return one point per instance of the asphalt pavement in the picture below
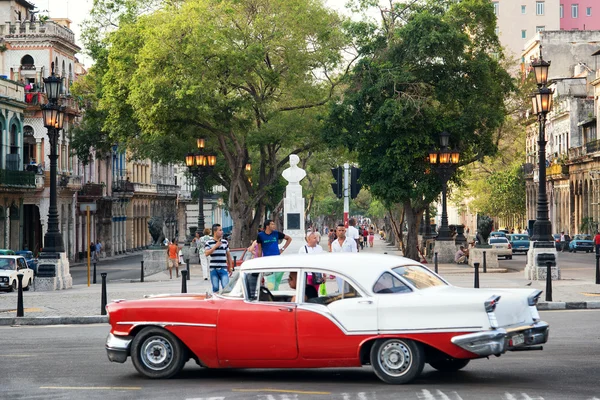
(69, 362)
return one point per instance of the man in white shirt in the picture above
(311, 245)
(352, 232)
(342, 244)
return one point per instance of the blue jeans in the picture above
(219, 275)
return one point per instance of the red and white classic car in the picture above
(391, 313)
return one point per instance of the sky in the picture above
(77, 10)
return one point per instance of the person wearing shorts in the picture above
(371, 236)
(173, 258)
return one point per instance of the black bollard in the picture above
(548, 281)
(435, 260)
(234, 263)
(476, 276)
(184, 281)
(484, 263)
(142, 272)
(187, 267)
(597, 269)
(94, 281)
(20, 311)
(103, 301)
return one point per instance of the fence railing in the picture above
(17, 178)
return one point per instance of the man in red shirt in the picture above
(597, 242)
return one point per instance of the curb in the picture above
(94, 319)
(568, 305)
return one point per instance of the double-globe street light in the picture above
(542, 104)
(199, 165)
(444, 161)
(54, 116)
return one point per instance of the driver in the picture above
(309, 291)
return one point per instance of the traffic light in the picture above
(354, 185)
(337, 186)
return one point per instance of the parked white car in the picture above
(10, 267)
(389, 312)
(502, 247)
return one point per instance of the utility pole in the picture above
(346, 193)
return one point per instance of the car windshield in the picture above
(498, 240)
(419, 277)
(7, 264)
(520, 237)
(234, 287)
(582, 237)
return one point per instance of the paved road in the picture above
(119, 269)
(571, 261)
(69, 362)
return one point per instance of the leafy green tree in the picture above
(439, 70)
(251, 76)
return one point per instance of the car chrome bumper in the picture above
(117, 347)
(499, 341)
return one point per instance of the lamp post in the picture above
(542, 104)
(199, 164)
(443, 160)
(53, 115)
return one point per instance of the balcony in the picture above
(557, 171)
(122, 186)
(35, 98)
(69, 182)
(149, 188)
(593, 146)
(167, 190)
(27, 31)
(577, 152)
(91, 191)
(22, 179)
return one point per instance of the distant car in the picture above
(519, 242)
(31, 261)
(241, 255)
(502, 246)
(506, 231)
(581, 243)
(10, 267)
(6, 252)
(497, 234)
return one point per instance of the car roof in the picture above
(363, 267)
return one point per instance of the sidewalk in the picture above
(82, 304)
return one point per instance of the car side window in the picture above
(336, 290)
(388, 283)
(21, 264)
(270, 286)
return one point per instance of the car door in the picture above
(257, 328)
(22, 269)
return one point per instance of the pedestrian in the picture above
(268, 241)
(221, 263)
(312, 247)
(365, 236)
(562, 241)
(342, 245)
(195, 245)
(173, 258)
(597, 242)
(352, 232)
(371, 235)
(98, 250)
(203, 259)
(92, 250)
(462, 256)
(331, 237)
(567, 241)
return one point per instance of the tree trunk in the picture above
(413, 219)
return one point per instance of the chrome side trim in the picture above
(163, 324)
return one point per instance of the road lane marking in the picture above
(280, 391)
(16, 355)
(91, 387)
(24, 310)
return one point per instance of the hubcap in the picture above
(395, 358)
(156, 353)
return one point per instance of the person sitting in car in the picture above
(309, 291)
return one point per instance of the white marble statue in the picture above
(294, 174)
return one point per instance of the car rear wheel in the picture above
(28, 285)
(157, 353)
(397, 361)
(449, 364)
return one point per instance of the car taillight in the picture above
(510, 246)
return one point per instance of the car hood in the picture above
(4, 272)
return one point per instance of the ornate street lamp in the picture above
(53, 115)
(444, 160)
(199, 165)
(541, 105)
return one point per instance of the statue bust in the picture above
(484, 228)
(294, 174)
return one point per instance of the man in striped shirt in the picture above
(220, 258)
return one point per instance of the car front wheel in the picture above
(449, 364)
(397, 361)
(13, 287)
(157, 353)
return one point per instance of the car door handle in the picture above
(365, 302)
(285, 309)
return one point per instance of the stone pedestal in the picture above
(446, 250)
(476, 255)
(155, 260)
(53, 273)
(538, 254)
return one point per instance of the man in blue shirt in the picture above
(268, 240)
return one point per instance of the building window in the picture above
(540, 28)
(523, 34)
(562, 11)
(496, 7)
(588, 11)
(523, 9)
(574, 10)
(539, 8)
